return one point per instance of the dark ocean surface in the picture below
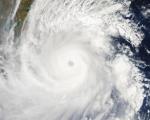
(138, 8)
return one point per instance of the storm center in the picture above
(70, 63)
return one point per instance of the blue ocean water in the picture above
(140, 16)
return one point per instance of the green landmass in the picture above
(5, 8)
(21, 14)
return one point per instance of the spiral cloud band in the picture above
(68, 68)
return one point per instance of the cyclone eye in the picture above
(70, 63)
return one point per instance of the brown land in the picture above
(5, 9)
(21, 14)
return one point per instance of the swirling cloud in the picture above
(68, 66)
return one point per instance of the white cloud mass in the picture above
(65, 67)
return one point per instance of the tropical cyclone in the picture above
(68, 68)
